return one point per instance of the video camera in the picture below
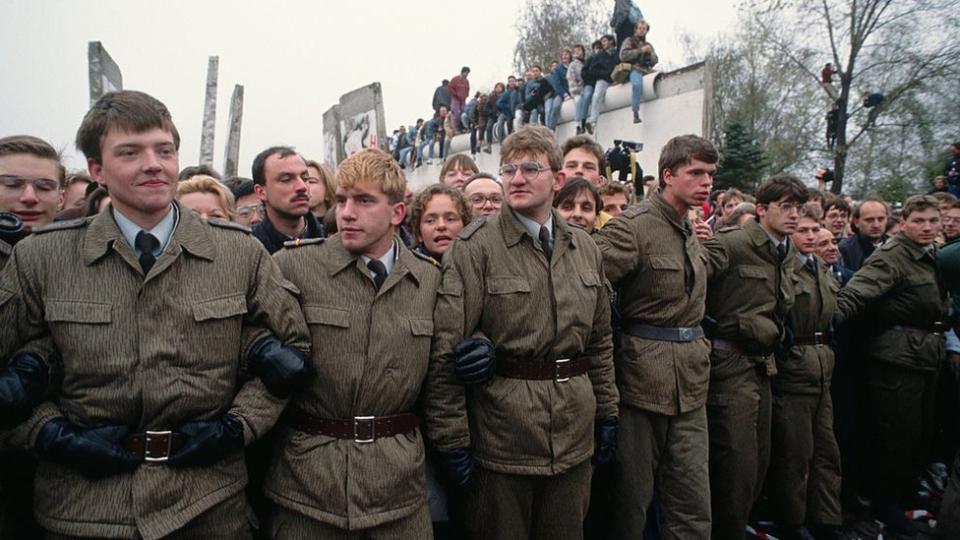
(622, 157)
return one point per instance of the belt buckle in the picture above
(559, 364)
(356, 431)
(818, 339)
(686, 334)
(148, 436)
(938, 328)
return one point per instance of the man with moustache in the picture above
(280, 178)
(652, 256)
(159, 319)
(904, 302)
(747, 302)
(523, 298)
(350, 462)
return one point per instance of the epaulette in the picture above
(224, 224)
(473, 227)
(63, 225)
(636, 210)
(290, 244)
(426, 258)
(729, 228)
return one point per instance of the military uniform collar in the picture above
(103, 233)
(337, 259)
(514, 229)
(162, 231)
(670, 213)
(917, 251)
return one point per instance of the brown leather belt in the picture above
(561, 370)
(154, 446)
(732, 346)
(817, 339)
(362, 429)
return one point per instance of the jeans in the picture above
(553, 107)
(488, 128)
(583, 106)
(428, 142)
(599, 98)
(636, 83)
(535, 115)
(504, 126)
(405, 155)
(456, 108)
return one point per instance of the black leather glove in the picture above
(22, 385)
(93, 452)
(605, 433)
(209, 441)
(282, 369)
(458, 466)
(475, 360)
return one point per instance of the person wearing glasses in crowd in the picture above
(438, 213)
(249, 209)
(521, 394)
(747, 302)
(484, 193)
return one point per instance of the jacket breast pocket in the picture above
(218, 321)
(78, 329)
(508, 298)
(747, 271)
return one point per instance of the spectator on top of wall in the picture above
(459, 88)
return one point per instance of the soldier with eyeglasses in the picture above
(522, 394)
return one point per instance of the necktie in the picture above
(379, 272)
(782, 251)
(146, 243)
(811, 265)
(545, 242)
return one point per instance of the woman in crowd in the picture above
(322, 189)
(578, 201)
(437, 215)
(207, 197)
(457, 169)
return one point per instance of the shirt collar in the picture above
(388, 259)
(163, 231)
(533, 228)
(785, 241)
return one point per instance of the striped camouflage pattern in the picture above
(8, 315)
(370, 352)
(653, 260)
(749, 299)
(151, 355)
(496, 284)
(807, 369)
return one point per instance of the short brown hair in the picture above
(326, 176)
(126, 110)
(779, 186)
(919, 203)
(810, 210)
(836, 202)
(202, 183)
(34, 146)
(575, 186)
(729, 194)
(532, 140)
(612, 187)
(587, 143)
(373, 166)
(423, 198)
(943, 196)
(458, 161)
(871, 198)
(683, 149)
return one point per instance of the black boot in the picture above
(636, 117)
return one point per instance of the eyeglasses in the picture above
(946, 219)
(477, 199)
(18, 183)
(529, 169)
(787, 207)
(247, 211)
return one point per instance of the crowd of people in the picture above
(534, 99)
(540, 352)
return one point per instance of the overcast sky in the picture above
(294, 59)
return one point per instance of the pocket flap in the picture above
(326, 315)
(661, 262)
(507, 285)
(421, 327)
(77, 311)
(751, 272)
(220, 308)
(590, 279)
